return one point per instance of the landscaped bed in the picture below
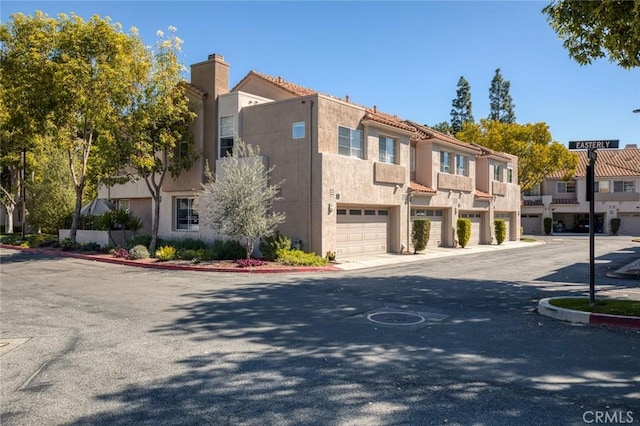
(602, 306)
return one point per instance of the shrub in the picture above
(68, 245)
(227, 250)
(250, 263)
(420, 230)
(270, 245)
(142, 240)
(300, 258)
(615, 225)
(548, 223)
(91, 246)
(165, 253)
(190, 244)
(139, 252)
(501, 230)
(331, 256)
(464, 231)
(121, 253)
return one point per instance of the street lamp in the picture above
(636, 110)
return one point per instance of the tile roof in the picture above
(565, 201)
(610, 163)
(193, 89)
(418, 187)
(482, 194)
(532, 202)
(427, 133)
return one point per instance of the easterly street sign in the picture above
(593, 144)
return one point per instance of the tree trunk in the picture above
(10, 208)
(156, 222)
(76, 214)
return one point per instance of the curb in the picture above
(169, 266)
(547, 309)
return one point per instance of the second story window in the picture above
(623, 186)
(226, 135)
(568, 187)
(298, 130)
(533, 191)
(412, 159)
(445, 162)
(387, 150)
(497, 173)
(510, 175)
(602, 186)
(461, 165)
(350, 142)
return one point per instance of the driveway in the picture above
(107, 344)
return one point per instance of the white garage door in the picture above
(476, 226)
(361, 231)
(435, 217)
(507, 220)
(531, 224)
(629, 224)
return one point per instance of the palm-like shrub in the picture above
(420, 234)
(464, 231)
(501, 230)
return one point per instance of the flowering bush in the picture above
(121, 253)
(249, 263)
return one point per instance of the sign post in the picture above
(592, 146)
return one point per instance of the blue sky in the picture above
(404, 57)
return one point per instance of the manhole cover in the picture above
(396, 318)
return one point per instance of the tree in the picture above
(158, 127)
(461, 111)
(420, 229)
(73, 81)
(538, 154)
(500, 103)
(442, 127)
(238, 201)
(597, 29)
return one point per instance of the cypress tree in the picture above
(461, 111)
(501, 106)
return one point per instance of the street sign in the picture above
(604, 144)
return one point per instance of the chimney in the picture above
(347, 98)
(375, 109)
(631, 146)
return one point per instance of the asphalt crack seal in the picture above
(396, 318)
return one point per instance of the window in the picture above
(461, 165)
(226, 135)
(445, 162)
(124, 204)
(568, 187)
(383, 212)
(602, 186)
(412, 159)
(349, 142)
(186, 215)
(341, 212)
(298, 130)
(510, 175)
(623, 186)
(387, 150)
(355, 212)
(497, 173)
(533, 191)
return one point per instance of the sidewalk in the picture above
(372, 260)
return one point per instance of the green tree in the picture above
(158, 129)
(238, 201)
(73, 80)
(443, 127)
(597, 29)
(420, 230)
(538, 154)
(501, 106)
(461, 111)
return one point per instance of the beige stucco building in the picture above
(353, 177)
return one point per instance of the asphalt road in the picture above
(107, 344)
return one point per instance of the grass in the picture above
(528, 239)
(602, 306)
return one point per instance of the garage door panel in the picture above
(629, 224)
(361, 233)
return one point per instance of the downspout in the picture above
(409, 197)
(310, 172)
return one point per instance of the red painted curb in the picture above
(615, 320)
(169, 266)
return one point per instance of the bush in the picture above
(121, 253)
(464, 231)
(548, 223)
(91, 246)
(270, 245)
(190, 244)
(420, 230)
(501, 230)
(300, 258)
(227, 250)
(139, 252)
(142, 240)
(615, 225)
(68, 245)
(165, 253)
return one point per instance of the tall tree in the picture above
(443, 126)
(538, 154)
(238, 201)
(75, 84)
(501, 106)
(597, 29)
(158, 129)
(461, 111)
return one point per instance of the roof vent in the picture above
(631, 146)
(375, 109)
(279, 79)
(216, 56)
(347, 98)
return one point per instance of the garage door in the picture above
(629, 224)
(531, 224)
(507, 220)
(361, 231)
(435, 217)
(476, 226)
